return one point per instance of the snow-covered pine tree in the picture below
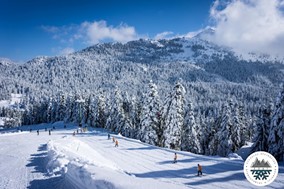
(136, 115)
(262, 130)
(128, 105)
(237, 126)
(276, 133)
(100, 111)
(61, 108)
(150, 116)
(78, 109)
(225, 142)
(190, 137)
(174, 117)
(70, 103)
(243, 123)
(91, 111)
(115, 119)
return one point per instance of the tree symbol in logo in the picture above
(261, 169)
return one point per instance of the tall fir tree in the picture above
(260, 139)
(190, 139)
(174, 117)
(225, 142)
(276, 133)
(100, 111)
(115, 119)
(237, 126)
(150, 116)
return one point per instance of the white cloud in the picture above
(92, 33)
(164, 35)
(193, 34)
(100, 31)
(66, 51)
(249, 25)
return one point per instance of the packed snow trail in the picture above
(90, 160)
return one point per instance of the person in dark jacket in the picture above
(175, 158)
(199, 170)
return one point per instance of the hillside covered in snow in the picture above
(89, 160)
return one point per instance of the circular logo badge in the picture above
(261, 168)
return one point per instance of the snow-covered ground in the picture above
(90, 160)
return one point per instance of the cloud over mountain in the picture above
(249, 25)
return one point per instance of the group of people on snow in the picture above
(199, 167)
(113, 140)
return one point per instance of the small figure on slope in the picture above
(199, 170)
(175, 158)
(108, 136)
(116, 143)
(49, 132)
(37, 132)
(113, 139)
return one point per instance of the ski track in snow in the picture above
(90, 160)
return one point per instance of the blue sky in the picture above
(30, 28)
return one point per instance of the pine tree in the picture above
(276, 133)
(190, 139)
(61, 108)
(150, 116)
(262, 130)
(100, 111)
(237, 126)
(225, 142)
(115, 119)
(174, 117)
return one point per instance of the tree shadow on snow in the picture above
(207, 180)
(51, 183)
(188, 160)
(143, 148)
(180, 173)
(208, 170)
(38, 160)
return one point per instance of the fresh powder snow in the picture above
(90, 160)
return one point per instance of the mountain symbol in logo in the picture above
(260, 164)
(261, 169)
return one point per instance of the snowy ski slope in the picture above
(90, 160)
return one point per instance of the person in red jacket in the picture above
(116, 143)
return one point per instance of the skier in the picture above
(49, 132)
(175, 158)
(108, 136)
(116, 143)
(113, 139)
(37, 132)
(199, 169)
(74, 133)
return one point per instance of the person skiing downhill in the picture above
(113, 139)
(37, 132)
(116, 143)
(108, 136)
(175, 158)
(199, 169)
